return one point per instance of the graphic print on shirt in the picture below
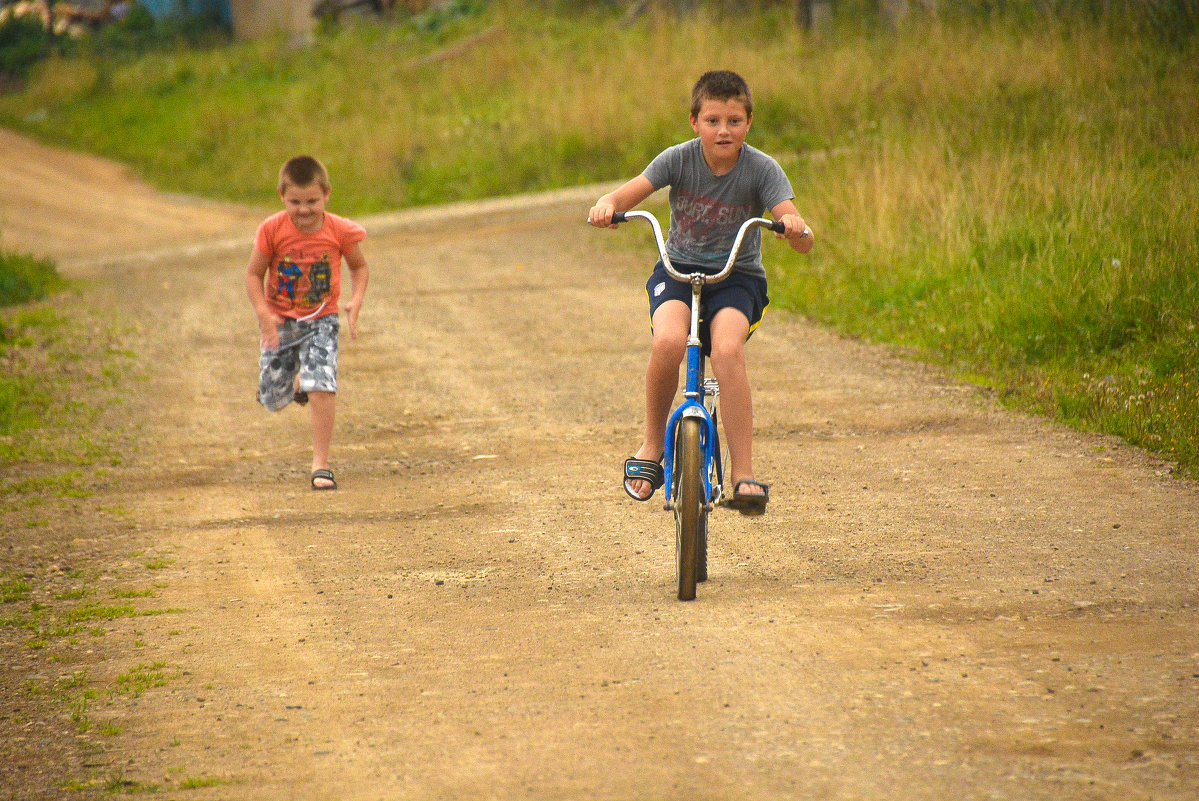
(285, 288)
(320, 277)
(300, 285)
(702, 222)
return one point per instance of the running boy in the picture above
(294, 283)
(717, 182)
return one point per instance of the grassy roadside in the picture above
(1011, 197)
(62, 366)
(1019, 206)
(69, 610)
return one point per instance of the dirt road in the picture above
(945, 600)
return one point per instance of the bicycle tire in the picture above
(701, 543)
(689, 503)
(714, 479)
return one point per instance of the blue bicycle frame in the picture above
(692, 406)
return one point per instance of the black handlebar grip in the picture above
(618, 217)
(778, 227)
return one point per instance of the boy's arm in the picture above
(798, 234)
(268, 320)
(623, 199)
(359, 275)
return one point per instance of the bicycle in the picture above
(692, 457)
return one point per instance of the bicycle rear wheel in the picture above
(689, 503)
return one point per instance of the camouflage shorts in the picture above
(306, 347)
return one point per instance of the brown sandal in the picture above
(750, 504)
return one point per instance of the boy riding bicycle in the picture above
(717, 182)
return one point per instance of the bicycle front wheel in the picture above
(689, 502)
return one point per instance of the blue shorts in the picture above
(741, 291)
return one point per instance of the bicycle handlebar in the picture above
(701, 278)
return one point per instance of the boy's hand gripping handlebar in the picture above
(700, 278)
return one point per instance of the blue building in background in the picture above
(161, 9)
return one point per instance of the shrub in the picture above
(23, 42)
(24, 277)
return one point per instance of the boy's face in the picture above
(722, 126)
(306, 206)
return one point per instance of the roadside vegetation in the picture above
(62, 366)
(1002, 190)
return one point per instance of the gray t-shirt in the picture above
(706, 210)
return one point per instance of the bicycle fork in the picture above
(697, 391)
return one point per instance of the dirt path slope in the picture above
(79, 209)
(945, 600)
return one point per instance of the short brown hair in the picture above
(720, 85)
(303, 171)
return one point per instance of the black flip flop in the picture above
(644, 470)
(325, 474)
(749, 504)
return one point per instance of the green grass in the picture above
(1011, 196)
(1031, 228)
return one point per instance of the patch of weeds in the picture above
(72, 595)
(71, 693)
(18, 622)
(196, 782)
(142, 678)
(96, 611)
(75, 680)
(78, 711)
(119, 785)
(159, 564)
(61, 485)
(13, 589)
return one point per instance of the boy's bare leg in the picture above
(730, 329)
(671, 323)
(323, 406)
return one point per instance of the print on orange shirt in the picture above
(297, 288)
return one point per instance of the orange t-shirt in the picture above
(304, 279)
